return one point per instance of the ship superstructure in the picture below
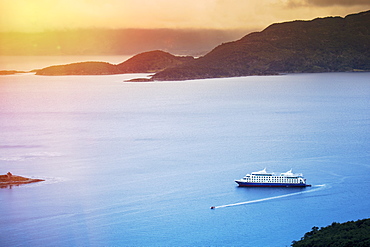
(270, 179)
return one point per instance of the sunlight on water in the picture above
(139, 164)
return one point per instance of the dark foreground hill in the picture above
(147, 62)
(352, 233)
(321, 45)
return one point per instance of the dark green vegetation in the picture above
(321, 45)
(349, 234)
(147, 62)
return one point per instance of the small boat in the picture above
(270, 179)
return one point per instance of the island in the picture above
(8, 180)
(11, 72)
(146, 62)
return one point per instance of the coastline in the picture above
(140, 79)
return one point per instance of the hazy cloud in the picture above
(39, 15)
(326, 3)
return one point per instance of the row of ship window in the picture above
(274, 178)
(277, 179)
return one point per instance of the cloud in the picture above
(39, 15)
(327, 3)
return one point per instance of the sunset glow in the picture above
(41, 15)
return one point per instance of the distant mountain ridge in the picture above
(146, 62)
(104, 42)
(330, 44)
(321, 45)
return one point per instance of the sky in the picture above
(42, 15)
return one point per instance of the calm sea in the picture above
(140, 164)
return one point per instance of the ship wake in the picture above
(315, 188)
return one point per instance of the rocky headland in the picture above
(331, 44)
(9, 180)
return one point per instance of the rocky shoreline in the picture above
(9, 180)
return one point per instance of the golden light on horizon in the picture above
(40, 15)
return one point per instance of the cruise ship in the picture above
(267, 179)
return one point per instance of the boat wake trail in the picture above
(316, 188)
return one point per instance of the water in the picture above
(140, 164)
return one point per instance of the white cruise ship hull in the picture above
(251, 184)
